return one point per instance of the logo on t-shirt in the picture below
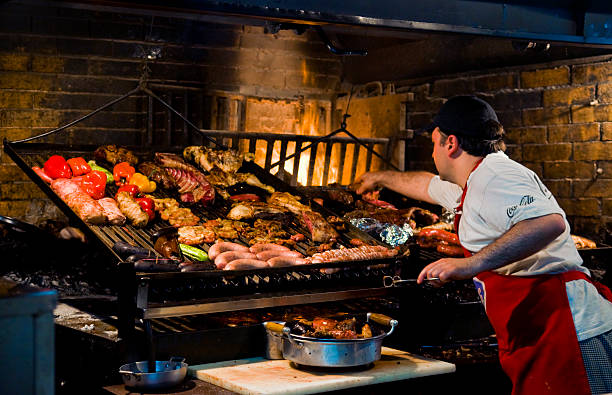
(525, 200)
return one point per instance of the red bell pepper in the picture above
(133, 190)
(57, 167)
(93, 183)
(122, 172)
(148, 205)
(78, 166)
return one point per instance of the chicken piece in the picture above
(248, 210)
(195, 235)
(288, 201)
(221, 179)
(253, 181)
(113, 215)
(131, 209)
(366, 331)
(113, 155)
(207, 158)
(583, 242)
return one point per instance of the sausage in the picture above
(197, 267)
(226, 257)
(268, 254)
(41, 173)
(222, 246)
(357, 242)
(124, 249)
(449, 249)
(439, 234)
(282, 261)
(259, 247)
(245, 264)
(156, 265)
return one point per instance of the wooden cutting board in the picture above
(263, 376)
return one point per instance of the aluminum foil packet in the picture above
(391, 234)
(395, 235)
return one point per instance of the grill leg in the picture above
(150, 345)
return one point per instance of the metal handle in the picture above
(287, 333)
(274, 327)
(389, 281)
(383, 320)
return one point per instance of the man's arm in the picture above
(413, 184)
(522, 240)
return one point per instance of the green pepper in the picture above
(109, 175)
(193, 252)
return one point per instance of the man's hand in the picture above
(369, 181)
(448, 269)
(522, 240)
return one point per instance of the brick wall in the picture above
(57, 64)
(558, 119)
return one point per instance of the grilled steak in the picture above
(156, 173)
(113, 155)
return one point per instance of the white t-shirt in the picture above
(501, 193)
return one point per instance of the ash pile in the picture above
(53, 255)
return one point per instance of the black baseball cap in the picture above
(464, 116)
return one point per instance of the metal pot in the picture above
(336, 353)
(167, 374)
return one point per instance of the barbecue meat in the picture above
(320, 230)
(170, 211)
(111, 211)
(221, 180)
(113, 155)
(88, 209)
(207, 158)
(194, 235)
(248, 210)
(340, 195)
(173, 161)
(362, 253)
(583, 242)
(193, 186)
(288, 201)
(156, 173)
(131, 209)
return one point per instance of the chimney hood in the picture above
(583, 23)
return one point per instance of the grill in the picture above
(172, 294)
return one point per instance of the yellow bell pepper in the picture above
(143, 183)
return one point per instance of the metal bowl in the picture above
(167, 374)
(310, 351)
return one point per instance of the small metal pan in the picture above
(167, 374)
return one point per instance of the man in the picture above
(553, 327)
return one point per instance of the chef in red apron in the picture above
(553, 323)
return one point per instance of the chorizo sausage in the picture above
(439, 234)
(282, 261)
(222, 246)
(259, 247)
(269, 254)
(226, 257)
(450, 249)
(245, 264)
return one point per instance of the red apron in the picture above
(538, 345)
